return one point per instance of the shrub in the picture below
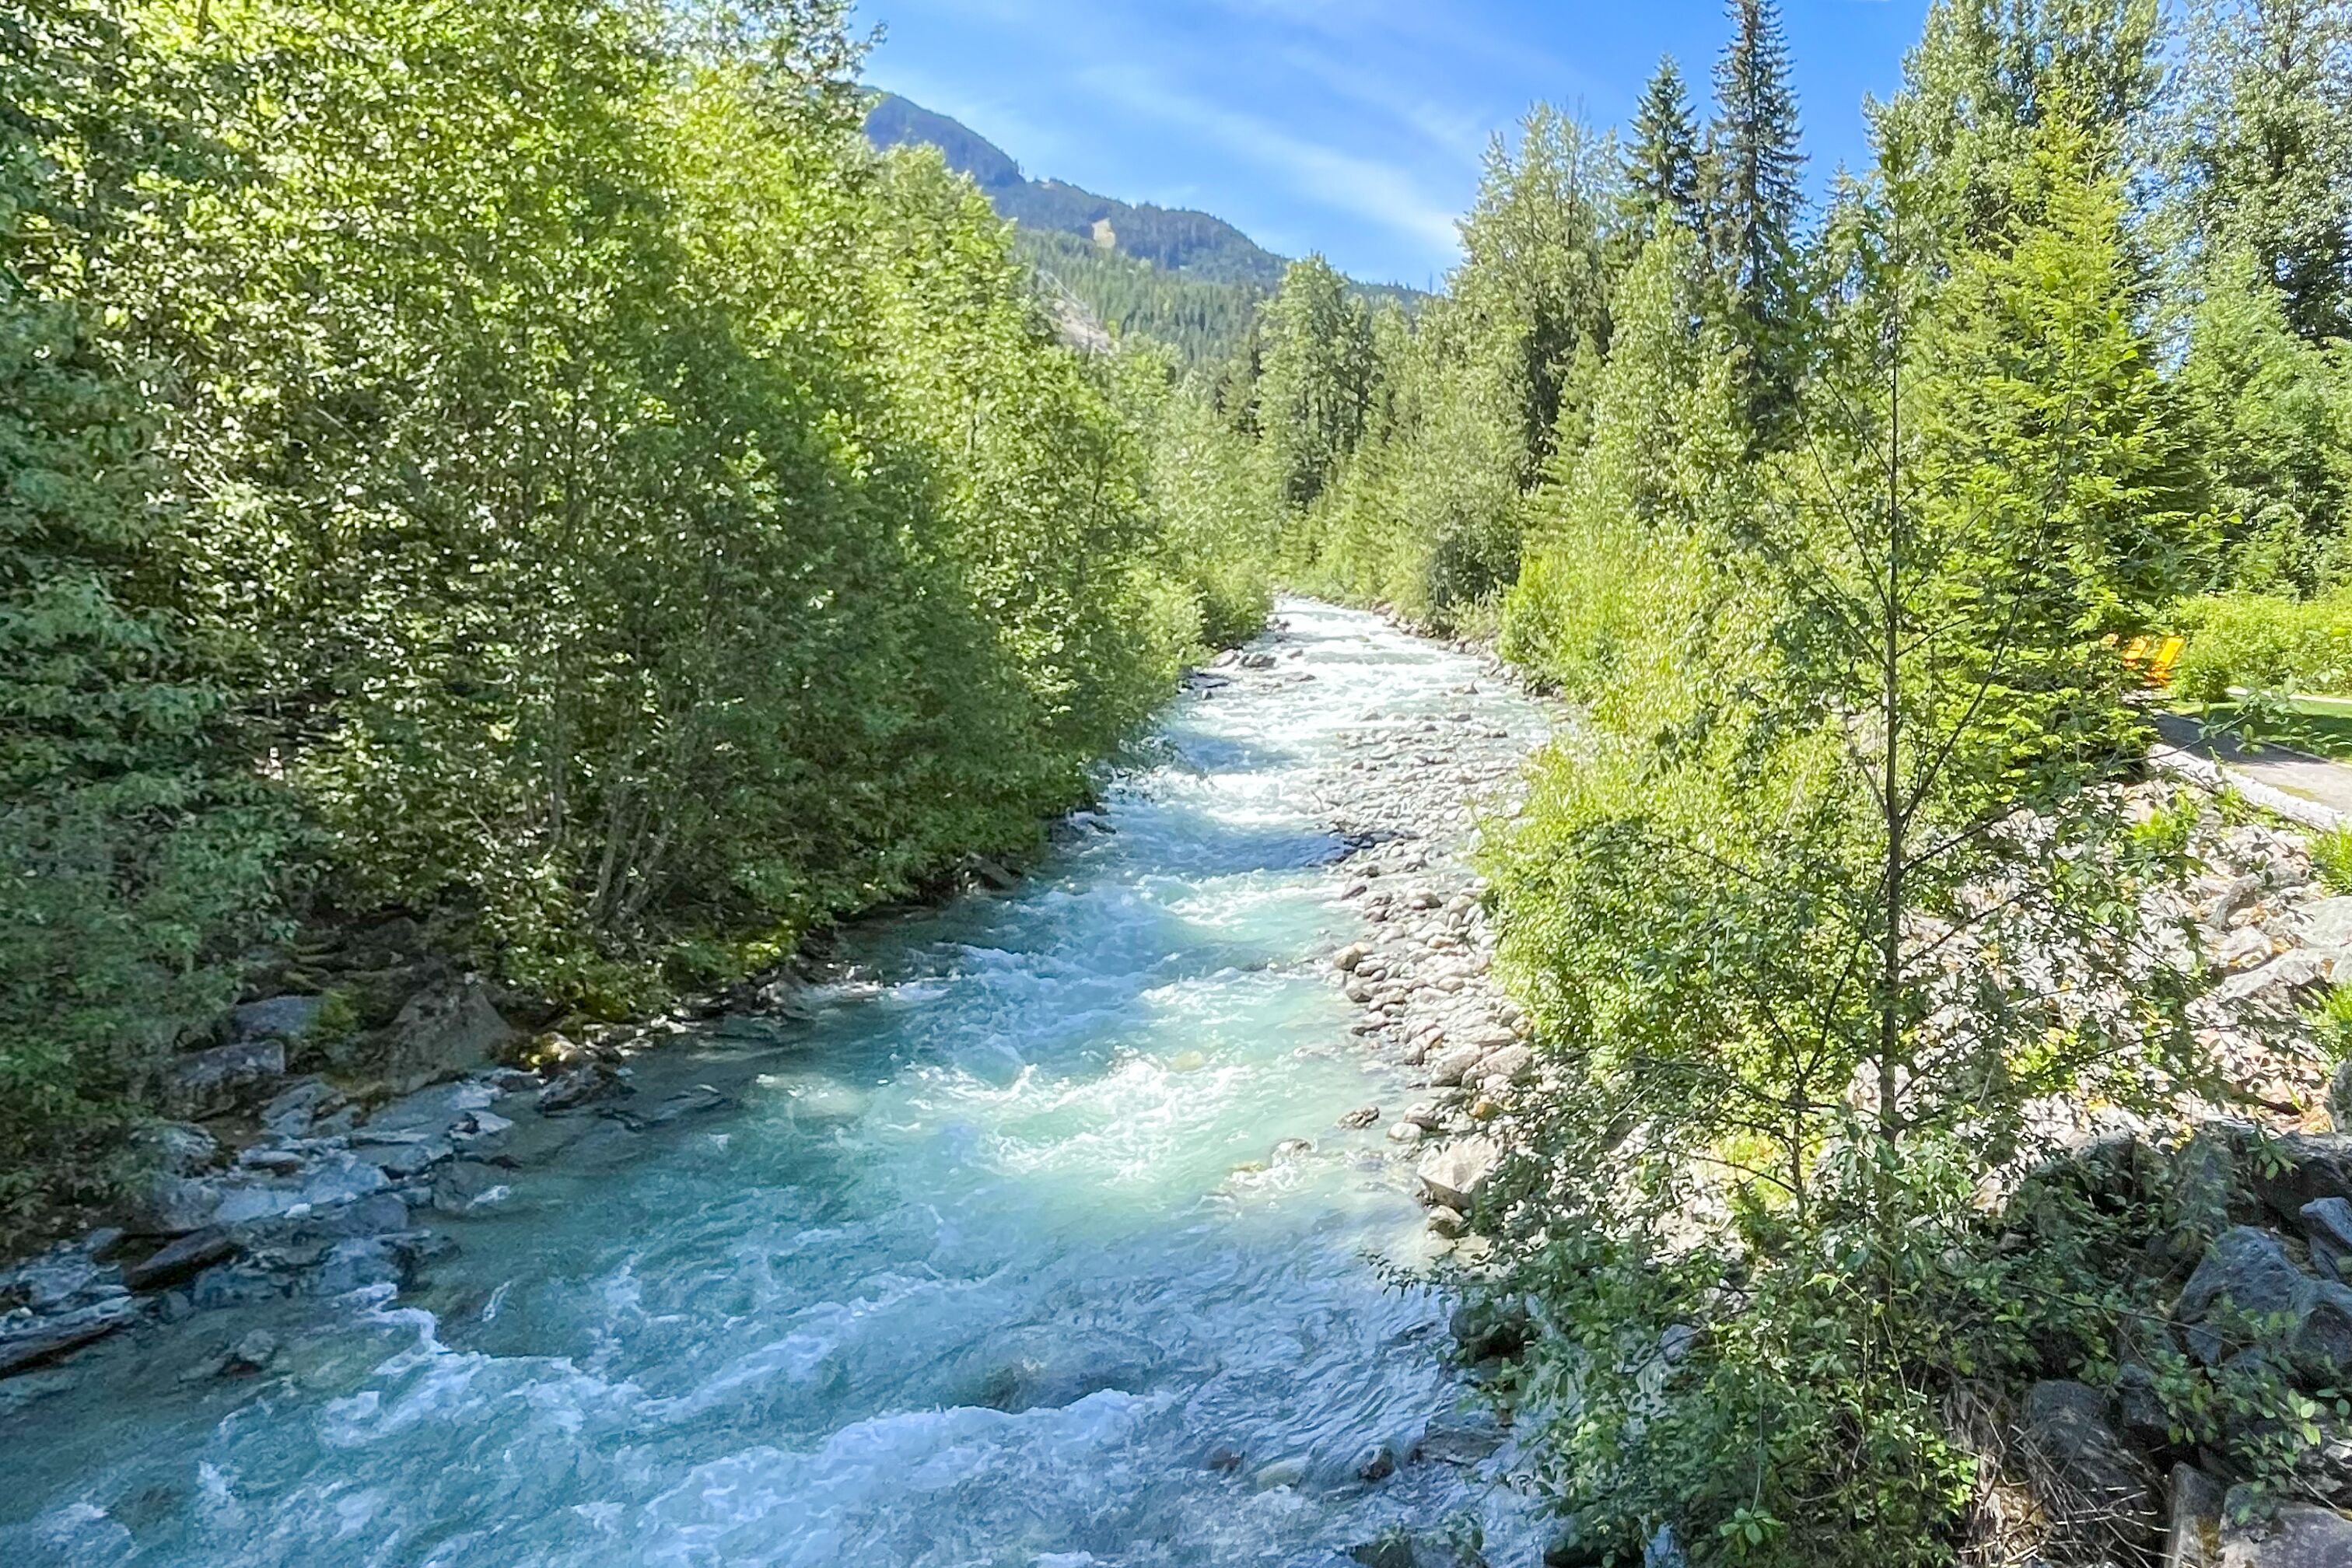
(2256, 642)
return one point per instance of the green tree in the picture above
(2266, 147)
(1834, 894)
(2273, 414)
(1662, 159)
(1315, 380)
(137, 855)
(1754, 198)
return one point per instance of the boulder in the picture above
(449, 1028)
(465, 1185)
(2289, 1172)
(1363, 1116)
(223, 1079)
(2328, 1226)
(2246, 1270)
(46, 1339)
(2194, 1540)
(181, 1260)
(583, 1084)
(1506, 1064)
(1490, 1330)
(291, 1111)
(2339, 1097)
(287, 1020)
(2276, 985)
(1456, 1174)
(161, 1204)
(2091, 1482)
(2323, 922)
(2297, 1536)
(1449, 1069)
(336, 1177)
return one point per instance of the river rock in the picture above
(583, 1084)
(2090, 1481)
(2298, 1535)
(161, 1203)
(294, 1108)
(447, 1028)
(466, 1185)
(1361, 1117)
(1448, 1070)
(337, 1176)
(29, 1344)
(1506, 1064)
(1048, 1367)
(2339, 1098)
(1456, 1174)
(182, 1259)
(224, 1078)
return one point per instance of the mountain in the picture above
(1190, 279)
(1174, 238)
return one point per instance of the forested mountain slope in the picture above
(1183, 278)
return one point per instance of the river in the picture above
(1001, 1253)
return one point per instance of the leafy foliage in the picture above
(539, 458)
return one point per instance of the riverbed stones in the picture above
(1456, 1174)
(1361, 1117)
(28, 1341)
(223, 1079)
(181, 1260)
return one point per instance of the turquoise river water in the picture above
(991, 1261)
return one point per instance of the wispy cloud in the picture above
(1383, 193)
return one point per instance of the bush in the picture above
(2255, 642)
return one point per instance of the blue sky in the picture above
(1353, 127)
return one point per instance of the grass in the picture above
(2320, 726)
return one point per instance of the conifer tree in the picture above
(1662, 170)
(1756, 195)
(1318, 378)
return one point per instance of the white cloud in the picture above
(1382, 193)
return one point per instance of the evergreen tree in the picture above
(1757, 168)
(1661, 163)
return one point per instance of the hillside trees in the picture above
(1313, 380)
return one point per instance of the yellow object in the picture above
(2152, 656)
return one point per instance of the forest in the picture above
(536, 469)
(533, 467)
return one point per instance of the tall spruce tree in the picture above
(1662, 166)
(1757, 168)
